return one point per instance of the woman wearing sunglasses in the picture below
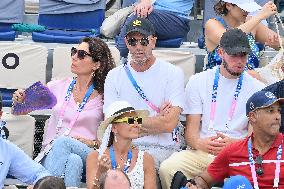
(72, 128)
(121, 125)
(234, 14)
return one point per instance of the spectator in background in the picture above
(15, 162)
(234, 14)
(71, 133)
(170, 19)
(50, 182)
(114, 179)
(215, 109)
(258, 157)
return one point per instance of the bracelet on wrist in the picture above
(95, 182)
(95, 145)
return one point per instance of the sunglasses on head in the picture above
(81, 54)
(258, 161)
(142, 41)
(129, 120)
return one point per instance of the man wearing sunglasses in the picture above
(152, 84)
(259, 157)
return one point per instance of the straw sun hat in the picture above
(114, 110)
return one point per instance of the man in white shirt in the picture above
(148, 83)
(215, 107)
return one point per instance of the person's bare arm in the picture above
(214, 29)
(161, 123)
(204, 180)
(96, 166)
(149, 172)
(267, 36)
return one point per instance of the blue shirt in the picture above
(15, 162)
(181, 8)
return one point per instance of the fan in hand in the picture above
(37, 97)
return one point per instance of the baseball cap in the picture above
(236, 182)
(140, 25)
(261, 99)
(246, 5)
(235, 41)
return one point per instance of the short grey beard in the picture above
(139, 63)
(228, 70)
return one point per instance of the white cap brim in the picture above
(250, 7)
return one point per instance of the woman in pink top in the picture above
(72, 127)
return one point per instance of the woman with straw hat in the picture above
(121, 125)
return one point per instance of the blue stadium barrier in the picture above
(58, 25)
(6, 32)
(7, 95)
(170, 43)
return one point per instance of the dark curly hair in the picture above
(220, 8)
(100, 53)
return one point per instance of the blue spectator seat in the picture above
(170, 43)
(81, 24)
(7, 95)
(6, 32)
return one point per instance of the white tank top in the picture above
(136, 176)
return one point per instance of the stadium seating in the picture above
(6, 32)
(69, 27)
(7, 96)
(170, 43)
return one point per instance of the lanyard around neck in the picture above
(214, 100)
(80, 107)
(139, 90)
(252, 165)
(143, 96)
(113, 160)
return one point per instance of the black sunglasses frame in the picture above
(258, 161)
(133, 42)
(81, 54)
(131, 120)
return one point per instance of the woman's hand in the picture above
(19, 96)
(104, 164)
(88, 142)
(267, 10)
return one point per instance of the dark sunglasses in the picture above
(258, 161)
(81, 54)
(129, 120)
(142, 41)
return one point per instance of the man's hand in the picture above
(143, 9)
(165, 108)
(210, 145)
(224, 139)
